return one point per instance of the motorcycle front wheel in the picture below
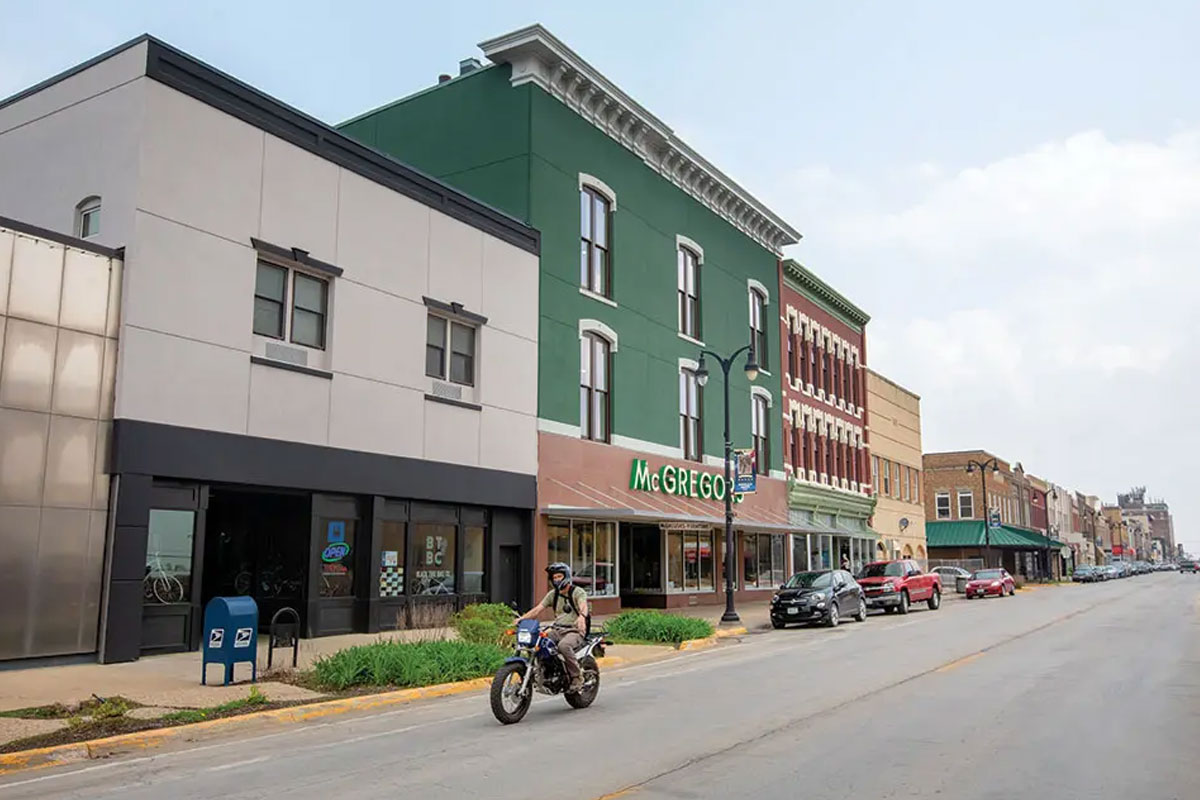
(508, 705)
(591, 684)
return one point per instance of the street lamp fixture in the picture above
(983, 466)
(751, 370)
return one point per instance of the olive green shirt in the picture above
(566, 615)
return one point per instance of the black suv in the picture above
(820, 596)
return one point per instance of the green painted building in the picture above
(649, 254)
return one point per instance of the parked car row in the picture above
(826, 596)
(1118, 569)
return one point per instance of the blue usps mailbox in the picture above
(230, 635)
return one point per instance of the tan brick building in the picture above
(895, 438)
(952, 493)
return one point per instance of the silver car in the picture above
(953, 576)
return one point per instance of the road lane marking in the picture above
(960, 662)
(237, 764)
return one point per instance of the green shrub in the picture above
(656, 627)
(484, 623)
(405, 664)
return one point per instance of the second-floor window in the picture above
(887, 478)
(595, 257)
(758, 329)
(966, 505)
(689, 293)
(942, 503)
(87, 218)
(826, 370)
(761, 434)
(450, 350)
(690, 405)
(278, 290)
(594, 406)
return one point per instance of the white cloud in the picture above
(1040, 303)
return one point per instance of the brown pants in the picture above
(568, 640)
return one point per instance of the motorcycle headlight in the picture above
(525, 637)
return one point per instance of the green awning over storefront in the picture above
(970, 533)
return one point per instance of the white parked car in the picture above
(953, 576)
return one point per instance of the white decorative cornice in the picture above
(539, 57)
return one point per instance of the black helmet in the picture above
(565, 569)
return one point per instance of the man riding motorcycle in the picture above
(571, 624)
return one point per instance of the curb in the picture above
(56, 755)
(711, 641)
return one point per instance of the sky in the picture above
(1012, 192)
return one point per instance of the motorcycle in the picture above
(537, 665)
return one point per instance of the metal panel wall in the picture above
(58, 321)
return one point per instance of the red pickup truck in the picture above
(896, 585)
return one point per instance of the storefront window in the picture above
(778, 560)
(705, 555)
(473, 560)
(337, 557)
(391, 559)
(799, 552)
(749, 561)
(690, 561)
(169, 557)
(675, 581)
(433, 570)
(590, 548)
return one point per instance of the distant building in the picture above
(895, 415)
(1152, 520)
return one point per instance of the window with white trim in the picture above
(758, 329)
(280, 290)
(87, 218)
(594, 401)
(942, 504)
(452, 360)
(760, 434)
(689, 292)
(966, 504)
(691, 403)
(595, 257)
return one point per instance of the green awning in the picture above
(970, 533)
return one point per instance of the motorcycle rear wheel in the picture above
(507, 707)
(591, 684)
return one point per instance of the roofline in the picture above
(804, 279)
(645, 135)
(886, 379)
(414, 95)
(61, 238)
(75, 70)
(184, 73)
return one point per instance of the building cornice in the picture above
(539, 57)
(805, 282)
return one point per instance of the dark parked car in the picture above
(1188, 566)
(821, 596)
(1084, 574)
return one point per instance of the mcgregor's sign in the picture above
(678, 481)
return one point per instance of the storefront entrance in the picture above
(257, 544)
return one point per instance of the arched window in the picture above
(87, 218)
(595, 354)
(595, 257)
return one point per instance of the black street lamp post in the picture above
(1049, 527)
(994, 465)
(730, 614)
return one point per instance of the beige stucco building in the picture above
(895, 437)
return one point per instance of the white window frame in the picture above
(970, 495)
(682, 244)
(937, 506)
(599, 330)
(86, 207)
(756, 291)
(448, 324)
(686, 366)
(757, 394)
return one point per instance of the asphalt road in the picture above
(1070, 692)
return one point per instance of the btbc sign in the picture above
(678, 481)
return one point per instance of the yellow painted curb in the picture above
(697, 644)
(724, 632)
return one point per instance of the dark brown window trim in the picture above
(455, 310)
(294, 256)
(459, 403)
(270, 362)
